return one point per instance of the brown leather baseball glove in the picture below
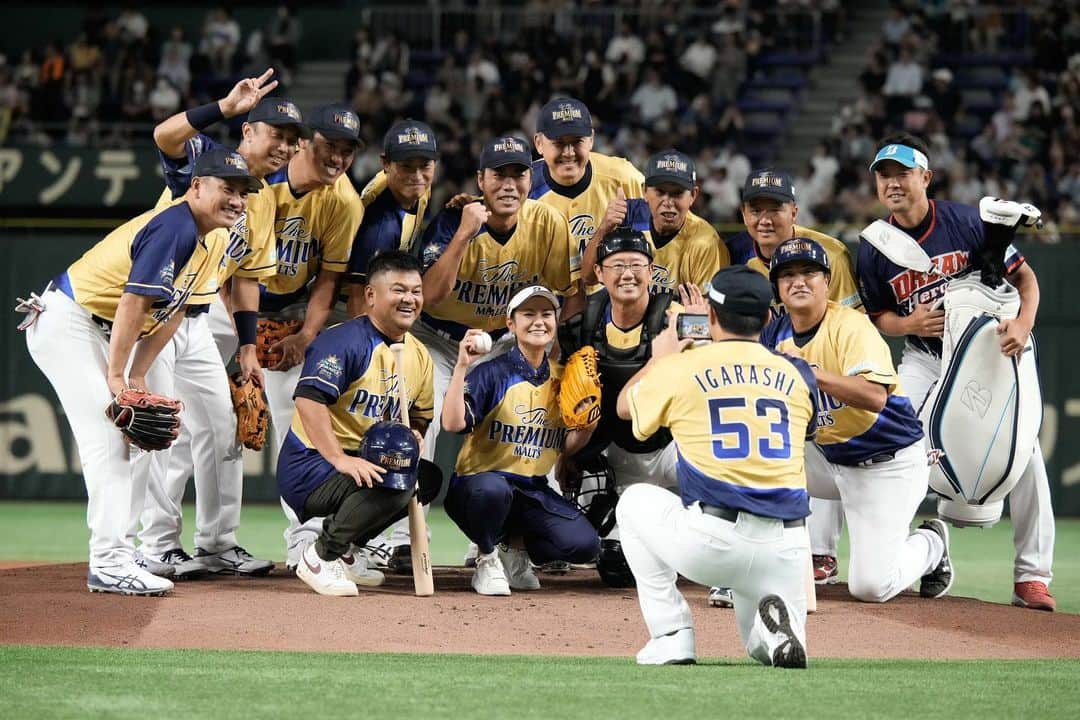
(252, 415)
(579, 390)
(272, 332)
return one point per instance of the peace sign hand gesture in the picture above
(247, 93)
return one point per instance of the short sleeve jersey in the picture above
(692, 255)
(386, 226)
(843, 287)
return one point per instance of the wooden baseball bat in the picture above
(423, 582)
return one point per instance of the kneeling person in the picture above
(349, 383)
(499, 493)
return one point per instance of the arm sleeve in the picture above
(843, 287)
(862, 351)
(331, 366)
(633, 181)
(158, 251)
(870, 285)
(556, 272)
(480, 394)
(637, 214)
(438, 237)
(705, 255)
(423, 404)
(337, 240)
(177, 171)
(315, 394)
(650, 400)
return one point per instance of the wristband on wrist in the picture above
(246, 324)
(204, 116)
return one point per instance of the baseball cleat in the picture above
(234, 561)
(489, 578)
(675, 648)
(175, 564)
(721, 597)
(127, 579)
(518, 569)
(400, 562)
(826, 571)
(555, 567)
(776, 618)
(356, 569)
(1034, 595)
(326, 577)
(378, 554)
(937, 582)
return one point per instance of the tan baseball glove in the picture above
(272, 332)
(579, 390)
(252, 415)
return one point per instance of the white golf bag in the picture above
(982, 417)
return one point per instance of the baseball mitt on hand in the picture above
(252, 415)
(579, 390)
(148, 421)
(272, 332)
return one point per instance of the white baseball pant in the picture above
(825, 524)
(1029, 502)
(655, 468)
(754, 556)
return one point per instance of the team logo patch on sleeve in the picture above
(330, 369)
(167, 274)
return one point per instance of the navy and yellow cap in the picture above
(738, 289)
(564, 116)
(226, 164)
(768, 184)
(408, 139)
(904, 154)
(624, 239)
(503, 151)
(336, 122)
(798, 250)
(280, 113)
(671, 166)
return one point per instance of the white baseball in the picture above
(481, 344)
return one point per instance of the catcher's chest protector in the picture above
(982, 417)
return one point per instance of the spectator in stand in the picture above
(164, 99)
(132, 25)
(1026, 92)
(135, 99)
(699, 60)
(723, 194)
(625, 52)
(50, 89)
(944, 96)
(177, 45)
(482, 68)
(390, 53)
(653, 99)
(9, 101)
(220, 39)
(84, 55)
(282, 37)
(174, 68)
(903, 82)
(596, 81)
(895, 27)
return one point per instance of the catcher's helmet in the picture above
(612, 566)
(624, 239)
(592, 488)
(392, 446)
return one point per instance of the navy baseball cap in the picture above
(768, 184)
(280, 113)
(564, 116)
(503, 151)
(671, 166)
(740, 290)
(798, 250)
(336, 122)
(624, 239)
(903, 154)
(226, 164)
(408, 139)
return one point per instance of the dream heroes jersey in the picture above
(350, 368)
(495, 266)
(158, 253)
(949, 234)
(691, 255)
(584, 203)
(512, 418)
(739, 414)
(847, 343)
(386, 226)
(314, 230)
(843, 288)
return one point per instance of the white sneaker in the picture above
(129, 579)
(489, 577)
(326, 577)
(356, 569)
(721, 597)
(470, 555)
(234, 561)
(675, 648)
(787, 649)
(378, 553)
(519, 572)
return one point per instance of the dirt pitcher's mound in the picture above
(571, 615)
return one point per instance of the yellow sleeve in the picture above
(864, 352)
(650, 399)
(633, 182)
(703, 257)
(347, 212)
(842, 286)
(556, 271)
(261, 262)
(424, 403)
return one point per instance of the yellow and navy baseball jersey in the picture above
(584, 203)
(740, 415)
(386, 226)
(495, 266)
(314, 230)
(159, 253)
(626, 338)
(350, 368)
(692, 255)
(847, 343)
(512, 418)
(843, 288)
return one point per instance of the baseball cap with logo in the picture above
(336, 122)
(408, 139)
(903, 154)
(798, 250)
(280, 113)
(503, 151)
(671, 166)
(527, 293)
(564, 116)
(226, 164)
(741, 291)
(768, 184)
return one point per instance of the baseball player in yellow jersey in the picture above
(499, 494)
(740, 416)
(131, 285)
(348, 385)
(686, 248)
(395, 201)
(570, 177)
(869, 439)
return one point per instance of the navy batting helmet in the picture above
(798, 250)
(392, 446)
(624, 239)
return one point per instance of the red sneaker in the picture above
(1033, 594)
(825, 570)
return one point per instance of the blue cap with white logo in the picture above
(279, 112)
(336, 122)
(671, 166)
(768, 184)
(564, 116)
(503, 151)
(795, 250)
(903, 154)
(225, 164)
(408, 139)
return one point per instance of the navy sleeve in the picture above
(438, 236)
(741, 247)
(161, 248)
(638, 215)
(480, 393)
(177, 171)
(335, 359)
(871, 287)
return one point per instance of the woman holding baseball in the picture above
(509, 409)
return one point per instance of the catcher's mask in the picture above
(392, 446)
(592, 488)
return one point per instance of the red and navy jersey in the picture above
(949, 234)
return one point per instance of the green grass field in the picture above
(50, 682)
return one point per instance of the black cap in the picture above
(224, 163)
(564, 116)
(624, 239)
(798, 250)
(408, 139)
(671, 166)
(503, 151)
(279, 112)
(740, 290)
(768, 184)
(336, 122)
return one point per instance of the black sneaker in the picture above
(789, 653)
(937, 582)
(400, 562)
